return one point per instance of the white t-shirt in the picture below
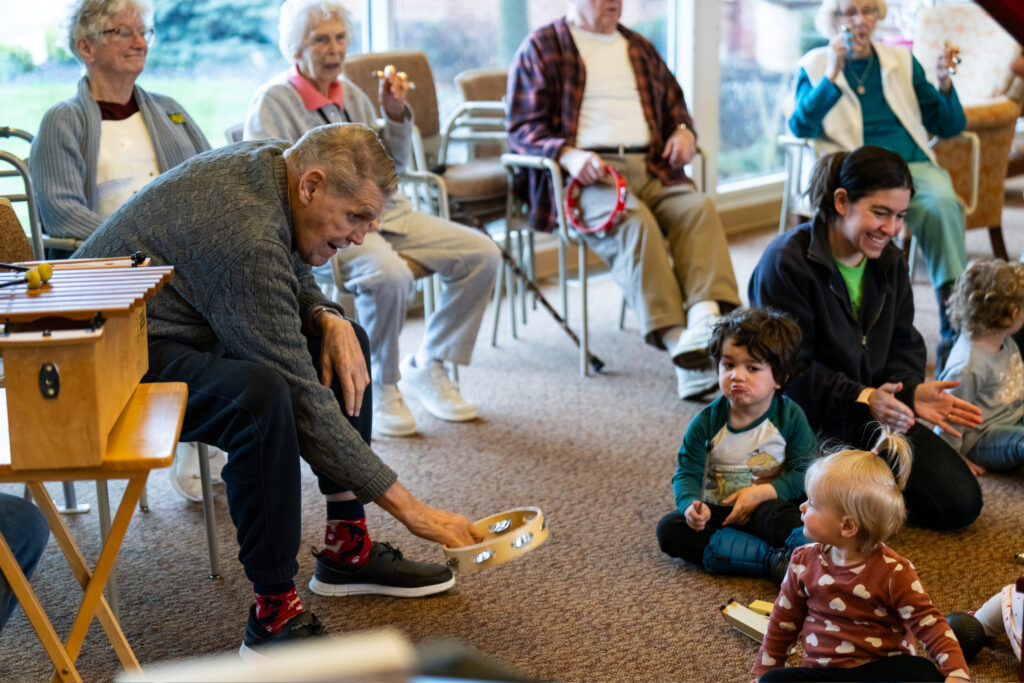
(611, 113)
(127, 162)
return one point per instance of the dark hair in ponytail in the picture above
(861, 172)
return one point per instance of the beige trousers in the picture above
(667, 250)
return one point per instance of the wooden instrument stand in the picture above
(73, 409)
(144, 438)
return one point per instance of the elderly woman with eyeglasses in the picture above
(314, 39)
(95, 150)
(855, 92)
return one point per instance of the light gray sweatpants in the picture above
(467, 261)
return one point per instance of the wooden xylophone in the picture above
(74, 350)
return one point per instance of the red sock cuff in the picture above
(274, 611)
(347, 541)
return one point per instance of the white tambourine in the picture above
(506, 536)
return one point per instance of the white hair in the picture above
(298, 19)
(89, 18)
(826, 23)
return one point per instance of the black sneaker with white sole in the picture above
(387, 572)
(258, 639)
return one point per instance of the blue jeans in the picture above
(24, 528)
(1000, 448)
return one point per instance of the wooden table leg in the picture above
(94, 581)
(64, 666)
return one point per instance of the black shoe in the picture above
(777, 563)
(257, 638)
(385, 573)
(969, 633)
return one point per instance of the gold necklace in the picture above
(864, 74)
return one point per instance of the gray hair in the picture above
(89, 17)
(826, 23)
(298, 19)
(349, 154)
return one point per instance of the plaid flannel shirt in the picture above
(545, 92)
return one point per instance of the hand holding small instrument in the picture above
(952, 54)
(390, 71)
(699, 503)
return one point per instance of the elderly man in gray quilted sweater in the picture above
(274, 369)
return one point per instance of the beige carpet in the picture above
(598, 602)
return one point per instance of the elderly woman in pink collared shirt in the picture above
(314, 37)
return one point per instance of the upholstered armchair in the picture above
(991, 101)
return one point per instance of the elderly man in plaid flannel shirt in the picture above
(630, 115)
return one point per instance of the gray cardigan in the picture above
(65, 154)
(277, 111)
(222, 219)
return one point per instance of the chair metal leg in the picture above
(582, 252)
(531, 265)
(211, 527)
(144, 499)
(71, 504)
(510, 286)
(562, 286)
(498, 284)
(103, 506)
(622, 314)
(521, 286)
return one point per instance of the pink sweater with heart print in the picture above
(852, 615)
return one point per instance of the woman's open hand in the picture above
(934, 403)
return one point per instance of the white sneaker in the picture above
(184, 473)
(391, 417)
(432, 387)
(694, 384)
(691, 350)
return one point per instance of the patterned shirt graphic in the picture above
(993, 382)
(776, 448)
(856, 614)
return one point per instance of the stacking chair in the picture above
(992, 103)
(568, 237)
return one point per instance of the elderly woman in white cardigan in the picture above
(314, 38)
(96, 149)
(855, 92)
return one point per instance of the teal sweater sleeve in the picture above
(942, 114)
(800, 444)
(813, 102)
(686, 482)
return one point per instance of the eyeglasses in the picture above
(864, 12)
(127, 33)
(322, 41)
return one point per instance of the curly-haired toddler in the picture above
(987, 306)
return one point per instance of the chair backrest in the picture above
(362, 70)
(14, 244)
(986, 49)
(483, 85)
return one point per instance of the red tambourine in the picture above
(572, 204)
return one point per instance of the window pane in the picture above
(458, 35)
(761, 42)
